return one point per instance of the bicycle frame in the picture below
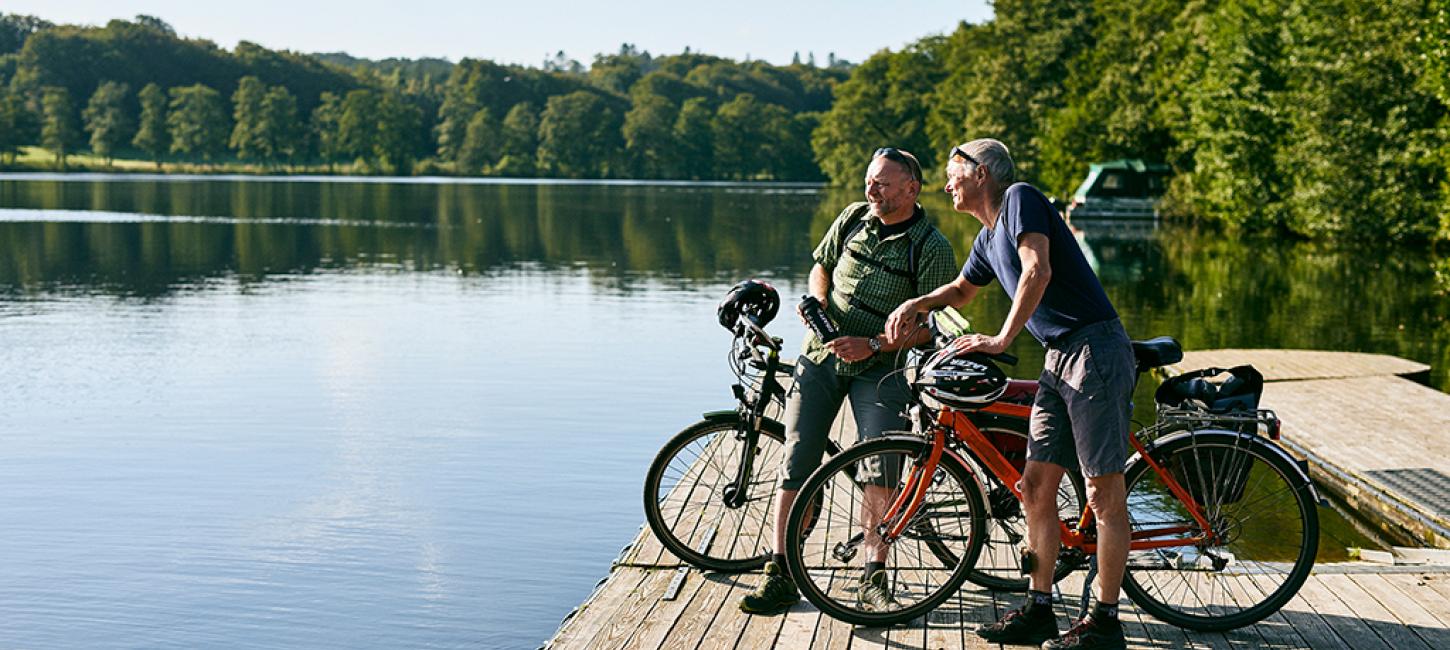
(1079, 536)
(752, 407)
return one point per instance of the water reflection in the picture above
(1209, 290)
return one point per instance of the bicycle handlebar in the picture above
(746, 326)
(944, 338)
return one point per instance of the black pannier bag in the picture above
(1215, 475)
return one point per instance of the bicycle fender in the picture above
(1300, 468)
(769, 424)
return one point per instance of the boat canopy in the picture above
(1127, 178)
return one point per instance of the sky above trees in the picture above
(527, 32)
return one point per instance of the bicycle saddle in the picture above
(1157, 352)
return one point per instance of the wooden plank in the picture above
(1420, 588)
(1410, 611)
(655, 629)
(1281, 365)
(911, 635)
(798, 630)
(1274, 631)
(1343, 621)
(1329, 417)
(868, 638)
(943, 628)
(594, 614)
(1309, 625)
(1384, 622)
(763, 631)
(831, 634)
(638, 605)
(729, 623)
(695, 624)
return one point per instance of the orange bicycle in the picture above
(1224, 521)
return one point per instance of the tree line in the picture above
(1322, 118)
(136, 88)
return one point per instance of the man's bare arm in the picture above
(902, 322)
(1036, 273)
(820, 283)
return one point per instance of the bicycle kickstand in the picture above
(1087, 587)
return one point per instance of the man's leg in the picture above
(874, 502)
(878, 402)
(1099, 381)
(809, 412)
(1040, 481)
(1050, 450)
(784, 499)
(1107, 496)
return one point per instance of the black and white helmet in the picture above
(753, 298)
(959, 380)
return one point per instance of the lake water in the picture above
(319, 413)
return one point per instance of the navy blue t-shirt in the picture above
(1073, 298)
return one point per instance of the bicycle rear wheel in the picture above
(1261, 512)
(999, 565)
(826, 545)
(690, 501)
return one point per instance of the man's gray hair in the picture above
(993, 155)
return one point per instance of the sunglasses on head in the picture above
(898, 156)
(957, 151)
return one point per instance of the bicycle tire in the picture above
(998, 566)
(817, 556)
(684, 524)
(1239, 478)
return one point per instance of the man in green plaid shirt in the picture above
(877, 255)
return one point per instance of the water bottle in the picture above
(817, 320)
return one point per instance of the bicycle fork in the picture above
(896, 518)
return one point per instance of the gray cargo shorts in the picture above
(811, 409)
(1081, 416)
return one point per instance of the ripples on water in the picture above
(306, 414)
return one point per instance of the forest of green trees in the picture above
(1316, 119)
(137, 88)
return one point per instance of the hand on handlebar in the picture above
(982, 343)
(902, 322)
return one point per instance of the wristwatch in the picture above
(874, 344)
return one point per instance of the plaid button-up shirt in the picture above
(863, 293)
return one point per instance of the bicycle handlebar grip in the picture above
(1005, 357)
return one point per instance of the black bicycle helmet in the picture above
(753, 298)
(961, 381)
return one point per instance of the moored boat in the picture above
(1119, 189)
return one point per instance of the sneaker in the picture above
(1022, 627)
(775, 595)
(874, 594)
(1091, 635)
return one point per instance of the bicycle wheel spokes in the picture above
(691, 488)
(850, 494)
(1260, 545)
(998, 567)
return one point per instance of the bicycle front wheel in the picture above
(694, 502)
(834, 526)
(1263, 531)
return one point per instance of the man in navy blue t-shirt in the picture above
(1080, 416)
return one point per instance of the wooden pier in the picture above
(1379, 441)
(1355, 606)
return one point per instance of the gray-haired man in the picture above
(1080, 417)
